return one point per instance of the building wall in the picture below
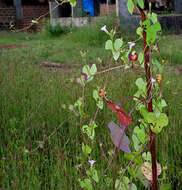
(8, 15)
(104, 10)
(31, 13)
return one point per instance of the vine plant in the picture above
(149, 103)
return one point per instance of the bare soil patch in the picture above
(11, 46)
(8, 47)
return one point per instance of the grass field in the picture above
(31, 109)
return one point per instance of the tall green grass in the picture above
(31, 102)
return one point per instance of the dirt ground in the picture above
(8, 47)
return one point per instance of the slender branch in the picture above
(48, 137)
(130, 97)
(129, 163)
(44, 15)
(135, 107)
(109, 69)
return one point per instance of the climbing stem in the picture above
(149, 104)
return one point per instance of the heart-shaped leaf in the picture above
(108, 45)
(140, 131)
(118, 44)
(116, 55)
(93, 69)
(130, 6)
(119, 138)
(140, 3)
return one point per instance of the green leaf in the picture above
(116, 55)
(100, 104)
(86, 70)
(124, 57)
(154, 17)
(163, 103)
(152, 32)
(72, 3)
(95, 94)
(139, 31)
(108, 45)
(86, 149)
(165, 187)
(93, 69)
(158, 65)
(143, 111)
(141, 57)
(135, 142)
(128, 156)
(95, 176)
(141, 84)
(98, 99)
(130, 6)
(151, 36)
(118, 44)
(146, 23)
(162, 120)
(133, 186)
(81, 81)
(35, 22)
(140, 131)
(151, 118)
(131, 172)
(86, 184)
(147, 156)
(89, 130)
(140, 3)
(131, 156)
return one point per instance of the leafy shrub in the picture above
(92, 35)
(54, 31)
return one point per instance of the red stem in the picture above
(149, 104)
(117, 154)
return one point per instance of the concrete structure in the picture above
(171, 21)
(178, 6)
(78, 17)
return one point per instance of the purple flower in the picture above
(81, 81)
(91, 163)
(131, 44)
(77, 80)
(133, 56)
(84, 76)
(105, 29)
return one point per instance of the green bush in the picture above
(92, 35)
(54, 31)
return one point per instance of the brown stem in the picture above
(149, 104)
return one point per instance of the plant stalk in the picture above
(149, 104)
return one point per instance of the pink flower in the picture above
(153, 80)
(105, 29)
(91, 162)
